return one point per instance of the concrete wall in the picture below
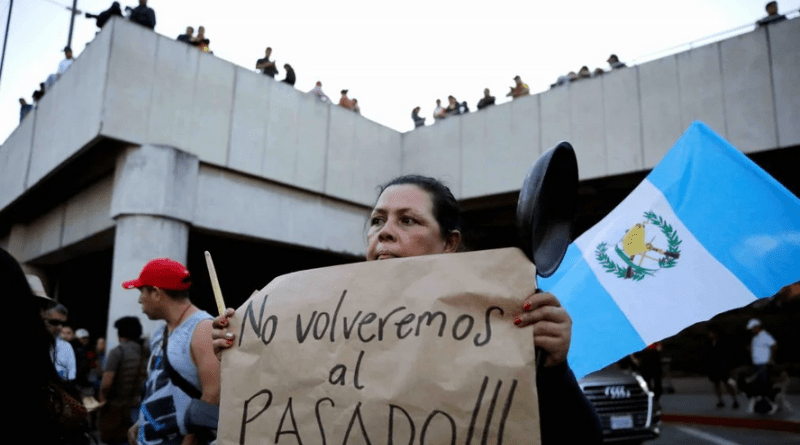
(163, 92)
(232, 117)
(746, 88)
(257, 208)
(785, 58)
(68, 116)
(68, 224)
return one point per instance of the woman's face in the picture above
(402, 225)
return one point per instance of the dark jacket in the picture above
(144, 16)
(290, 77)
(565, 414)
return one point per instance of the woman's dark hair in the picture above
(129, 327)
(445, 207)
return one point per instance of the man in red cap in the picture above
(184, 381)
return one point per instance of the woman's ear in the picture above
(452, 241)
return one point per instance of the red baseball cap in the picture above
(163, 273)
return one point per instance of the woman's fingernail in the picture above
(527, 306)
(229, 335)
(518, 321)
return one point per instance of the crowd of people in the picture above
(145, 16)
(762, 383)
(166, 389)
(141, 14)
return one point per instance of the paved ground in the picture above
(694, 402)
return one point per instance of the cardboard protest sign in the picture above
(403, 351)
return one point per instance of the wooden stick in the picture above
(215, 284)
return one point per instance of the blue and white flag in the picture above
(705, 232)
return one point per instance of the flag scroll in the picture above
(705, 232)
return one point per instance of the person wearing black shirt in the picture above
(266, 66)
(143, 15)
(486, 100)
(38, 94)
(187, 37)
(290, 77)
(102, 18)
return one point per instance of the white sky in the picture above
(391, 56)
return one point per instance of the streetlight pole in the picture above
(73, 11)
(5, 39)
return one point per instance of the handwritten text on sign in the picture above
(417, 350)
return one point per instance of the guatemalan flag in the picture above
(705, 232)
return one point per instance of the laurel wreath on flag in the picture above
(610, 266)
(673, 241)
(665, 262)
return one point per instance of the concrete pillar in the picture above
(152, 204)
(139, 239)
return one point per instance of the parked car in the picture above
(625, 405)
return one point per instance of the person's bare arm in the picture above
(105, 385)
(133, 433)
(208, 367)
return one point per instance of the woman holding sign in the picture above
(417, 215)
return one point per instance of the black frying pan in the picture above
(546, 208)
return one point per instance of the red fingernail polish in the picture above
(527, 306)
(229, 342)
(518, 321)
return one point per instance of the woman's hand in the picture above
(552, 326)
(222, 339)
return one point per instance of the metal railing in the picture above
(705, 40)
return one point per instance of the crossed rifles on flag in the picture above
(633, 244)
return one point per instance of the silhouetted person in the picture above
(648, 362)
(418, 120)
(200, 40)
(584, 73)
(614, 63)
(187, 36)
(486, 100)
(39, 94)
(102, 18)
(290, 76)
(356, 108)
(453, 108)
(718, 356)
(519, 89)
(772, 15)
(267, 66)
(24, 108)
(143, 15)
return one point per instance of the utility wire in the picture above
(68, 8)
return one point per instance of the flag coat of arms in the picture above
(705, 232)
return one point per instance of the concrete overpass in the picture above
(147, 147)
